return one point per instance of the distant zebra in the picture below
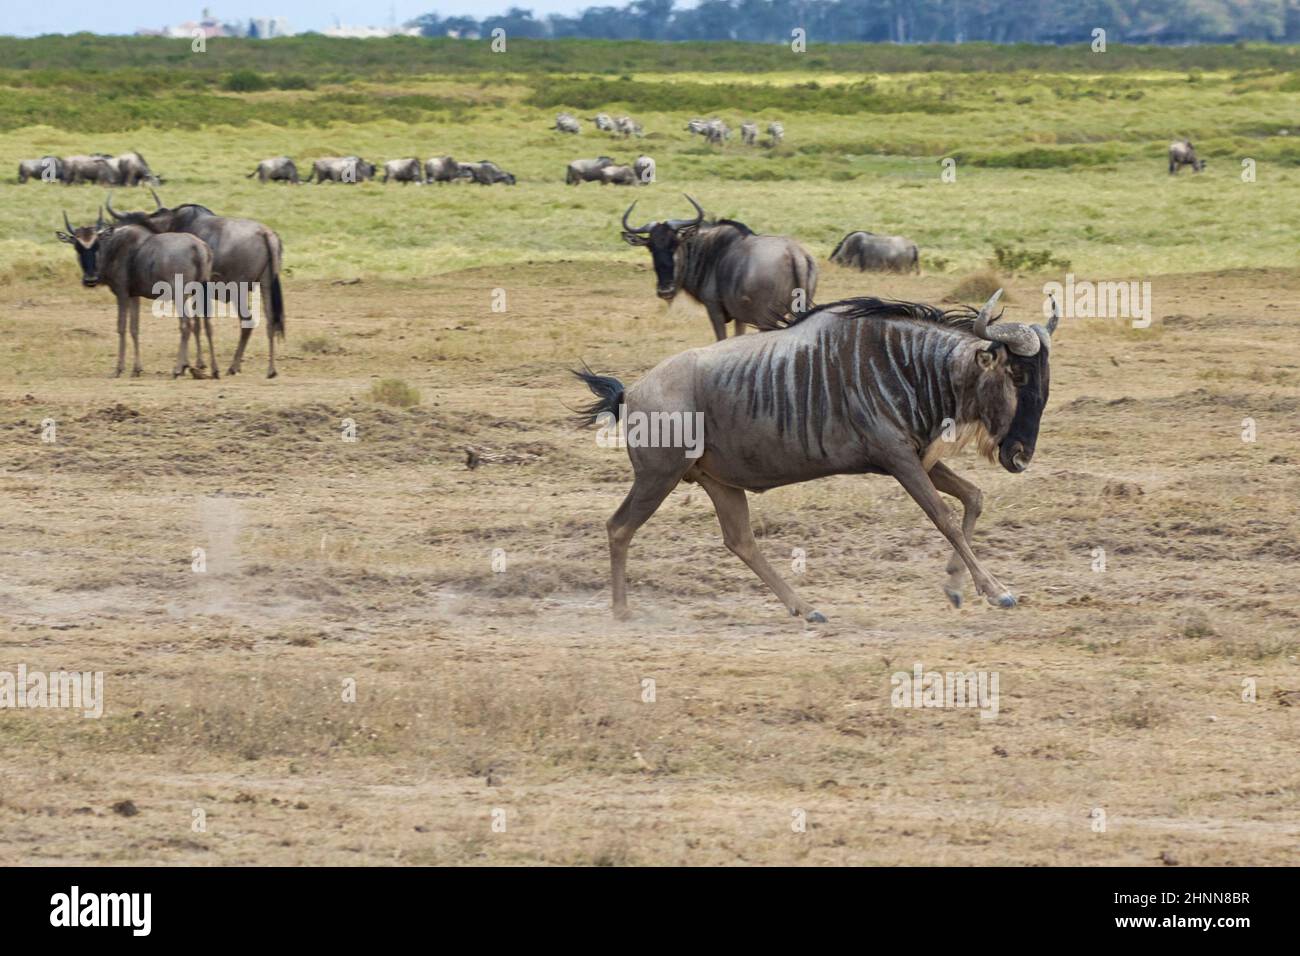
(749, 134)
(777, 132)
(567, 123)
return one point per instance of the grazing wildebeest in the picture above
(618, 176)
(862, 386)
(132, 170)
(735, 274)
(567, 123)
(485, 173)
(777, 132)
(341, 169)
(138, 264)
(869, 252)
(278, 167)
(585, 170)
(1181, 153)
(718, 132)
(89, 169)
(644, 167)
(605, 123)
(444, 169)
(404, 171)
(47, 169)
(749, 133)
(628, 127)
(244, 253)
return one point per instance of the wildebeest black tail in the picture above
(609, 396)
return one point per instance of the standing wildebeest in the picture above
(605, 123)
(278, 167)
(749, 133)
(485, 173)
(444, 169)
(132, 170)
(244, 252)
(89, 169)
(718, 132)
(47, 169)
(857, 387)
(777, 132)
(644, 167)
(628, 127)
(872, 253)
(404, 171)
(735, 274)
(585, 170)
(341, 169)
(618, 176)
(567, 123)
(134, 263)
(1182, 154)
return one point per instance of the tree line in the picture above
(901, 21)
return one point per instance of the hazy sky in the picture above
(28, 18)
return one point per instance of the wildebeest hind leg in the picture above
(972, 502)
(733, 515)
(136, 367)
(648, 492)
(719, 322)
(183, 349)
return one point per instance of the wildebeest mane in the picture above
(873, 309)
(744, 229)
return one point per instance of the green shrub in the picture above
(393, 391)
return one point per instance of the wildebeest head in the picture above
(663, 239)
(1014, 385)
(85, 241)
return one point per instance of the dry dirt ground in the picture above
(502, 716)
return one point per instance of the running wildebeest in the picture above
(404, 171)
(777, 132)
(244, 253)
(628, 127)
(605, 123)
(749, 133)
(89, 169)
(486, 173)
(444, 169)
(138, 264)
(567, 123)
(47, 169)
(341, 169)
(735, 274)
(862, 386)
(644, 167)
(1181, 153)
(618, 176)
(276, 168)
(585, 170)
(131, 170)
(869, 252)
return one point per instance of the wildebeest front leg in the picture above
(912, 476)
(212, 349)
(733, 515)
(183, 349)
(122, 306)
(648, 492)
(136, 367)
(972, 502)
(719, 322)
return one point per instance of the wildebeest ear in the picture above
(988, 357)
(635, 239)
(63, 236)
(685, 232)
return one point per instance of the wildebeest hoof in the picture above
(1003, 600)
(954, 596)
(136, 373)
(816, 617)
(233, 370)
(272, 374)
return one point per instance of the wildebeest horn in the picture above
(1056, 315)
(71, 231)
(699, 217)
(639, 229)
(99, 220)
(157, 202)
(1020, 339)
(111, 211)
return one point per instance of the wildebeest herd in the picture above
(861, 386)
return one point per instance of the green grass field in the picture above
(1062, 161)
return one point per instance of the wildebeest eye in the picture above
(1019, 377)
